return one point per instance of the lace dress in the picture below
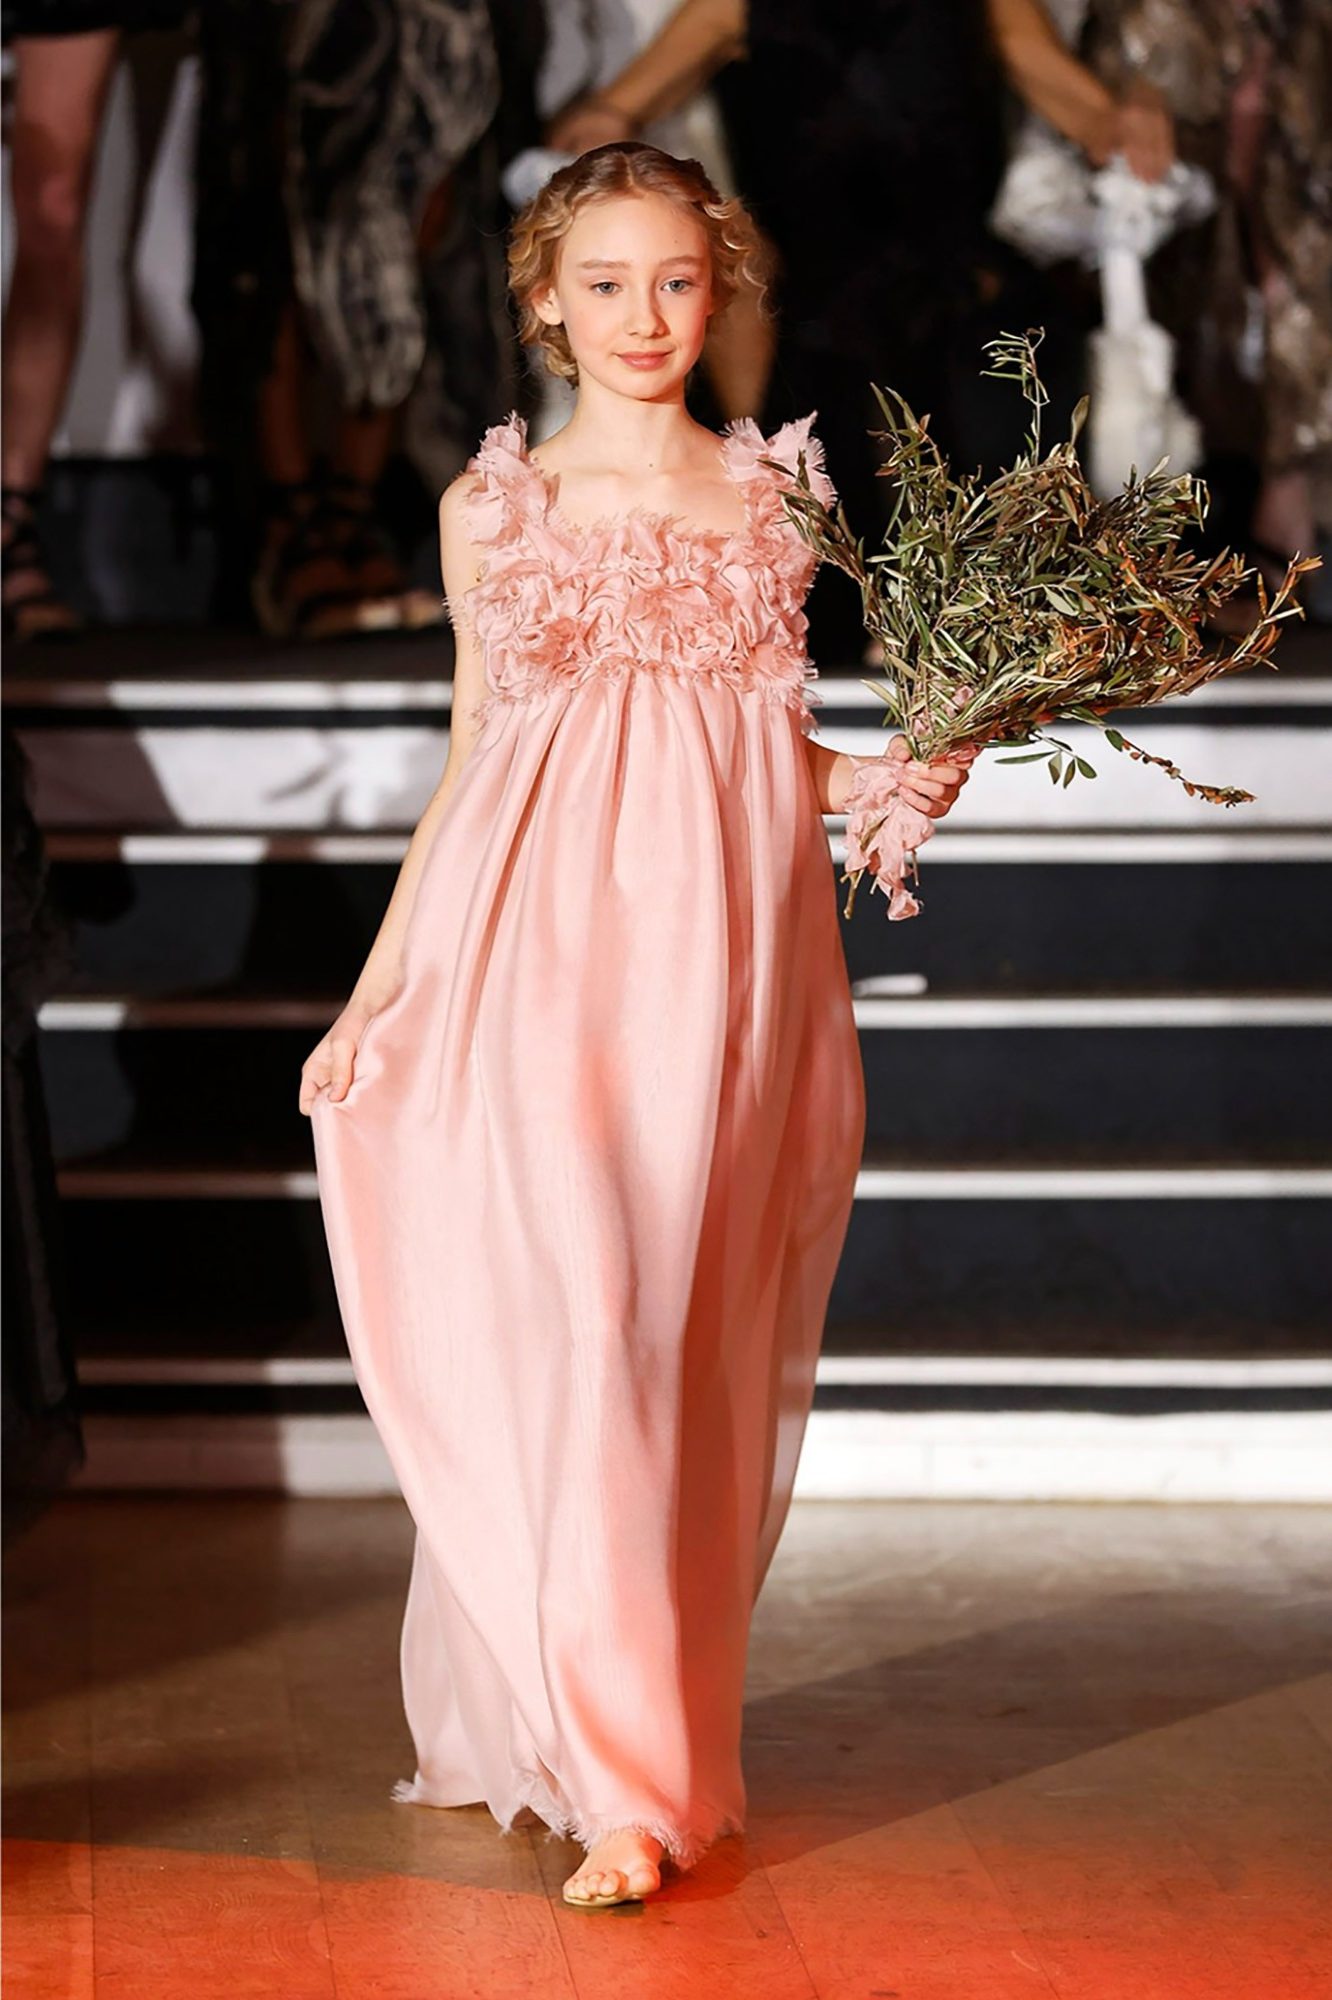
(587, 1192)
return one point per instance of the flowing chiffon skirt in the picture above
(584, 1203)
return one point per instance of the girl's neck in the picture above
(622, 434)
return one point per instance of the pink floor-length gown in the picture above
(587, 1191)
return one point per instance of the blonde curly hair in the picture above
(627, 166)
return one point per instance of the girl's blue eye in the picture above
(603, 284)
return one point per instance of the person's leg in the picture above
(284, 451)
(361, 447)
(325, 566)
(365, 437)
(362, 443)
(311, 580)
(299, 587)
(60, 94)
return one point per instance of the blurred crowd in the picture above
(917, 167)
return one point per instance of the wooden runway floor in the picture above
(994, 1752)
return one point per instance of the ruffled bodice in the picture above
(559, 603)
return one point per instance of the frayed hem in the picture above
(416, 1792)
(685, 1849)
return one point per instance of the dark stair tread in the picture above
(232, 655)
(149, 1340)
(256, 993)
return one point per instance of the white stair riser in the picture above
(336, 776)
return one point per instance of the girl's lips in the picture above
(643, 360)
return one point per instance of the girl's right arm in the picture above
(330, 1065)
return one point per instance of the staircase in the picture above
(1090, 1253)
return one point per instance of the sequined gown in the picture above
(586, 1194)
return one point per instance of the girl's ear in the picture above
(546, 306)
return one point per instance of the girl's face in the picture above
(633, 287)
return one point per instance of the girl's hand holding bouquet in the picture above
(891, 804)
(929, 788)
(1000, 607)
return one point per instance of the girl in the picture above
(587, 1131)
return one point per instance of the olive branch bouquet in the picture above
(1007, 604)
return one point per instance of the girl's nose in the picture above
(645, 315)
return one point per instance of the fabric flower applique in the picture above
(558, 603)
(882, 835)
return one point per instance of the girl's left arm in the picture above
(932, 788)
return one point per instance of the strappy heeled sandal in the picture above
(303, 587)
(370, 555)
(37, 611)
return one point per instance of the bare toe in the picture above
(636, 1875)
(597, 1882)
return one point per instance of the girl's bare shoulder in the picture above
(460, 491)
